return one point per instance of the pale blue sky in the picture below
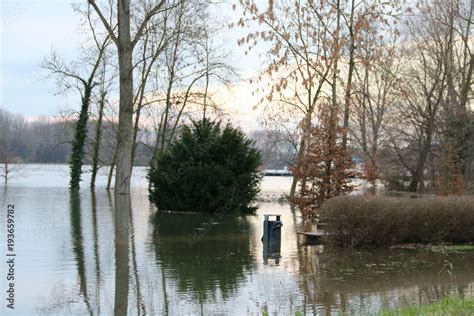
(31, 29)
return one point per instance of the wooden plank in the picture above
(314, 234)
(323, 224)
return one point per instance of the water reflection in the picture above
(90, 253)
(124, 249)
(123, 208)
(77, 245)
(133, 249)
(357, 281)
(95, 232)
(271, 239)
(203, 255)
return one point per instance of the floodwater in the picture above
(89, 253)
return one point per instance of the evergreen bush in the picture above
(210, 168)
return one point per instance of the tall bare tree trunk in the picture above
(125, 45)
(98, 138)
(111, 169)
(301, 151)
(4, 148)
(136, 126)
(417, 176)
(125, 124)
(348, 92)
(6, 170)
(334, 108)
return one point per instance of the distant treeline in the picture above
(41, 141)
(49, 141)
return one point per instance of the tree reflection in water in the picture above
(218, 258)
(335, 280)
(150, 263)
(123, 209)
(124, 249)
(78, 247)
(95, 232)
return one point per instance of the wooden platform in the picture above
(314, 234)
(323, 224)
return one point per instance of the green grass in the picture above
(447, 306)
(452, 248)
(461, 247)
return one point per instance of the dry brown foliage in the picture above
(362, 221)
(324, 171)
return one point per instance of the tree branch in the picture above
(104, 21)
(145, 21)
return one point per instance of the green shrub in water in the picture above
(210, 168)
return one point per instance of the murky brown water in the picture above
(92, 254)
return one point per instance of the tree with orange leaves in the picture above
(325, 168)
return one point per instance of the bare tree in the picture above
(422, 91)
(192, 65)
(6, 156)
(456, 121)
(5, 151)
(100, 99)
(15, 138)
(152, 46)
(125, 44)
(312, 58)
(299, 59)
(72, 75)
(375, 94)
(433, 83)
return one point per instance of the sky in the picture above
(30, 30)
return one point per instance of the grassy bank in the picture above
(361, 221)
(447, 306)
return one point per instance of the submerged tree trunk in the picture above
(5, 150)
(125, 124)
(98, 137)
(77, 155)
(301, 152)
(136, 127)
(135, 135)
(295, 180)
(6, 171)
(111, 169)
